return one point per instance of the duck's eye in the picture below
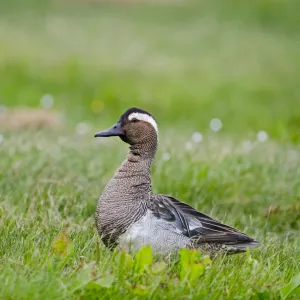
(134, 120)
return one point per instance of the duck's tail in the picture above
(242, 247)
(231, 242)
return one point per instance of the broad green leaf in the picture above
(140, 290)
(106, 281)
(192, 265)
(206, 260)
(84, 273)
(184, 256)
(125, 260)
(290, 287)
(188, 256)
(143, 258)
(196, 271)
(184, 271)
(86, 277)
(92, 288)
(61, 244)
(158, 267)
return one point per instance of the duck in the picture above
(130, 216)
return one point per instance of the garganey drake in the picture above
(129, 215)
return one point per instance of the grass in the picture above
(186, 63)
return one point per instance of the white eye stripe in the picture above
(143, 117)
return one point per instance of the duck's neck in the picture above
(132, 181)
(141, 156)
(124, 199)
(136, 169)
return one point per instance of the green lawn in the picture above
(186, 63)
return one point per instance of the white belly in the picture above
(161, 235)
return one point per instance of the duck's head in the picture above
(135, 126)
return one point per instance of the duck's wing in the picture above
(194, 224)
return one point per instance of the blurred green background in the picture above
(222, 79)
(185, 61)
